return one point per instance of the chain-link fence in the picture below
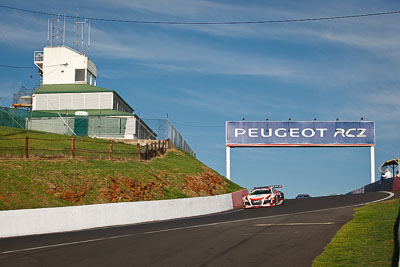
(99, 126)
(12, 117)
(95, 126)
(166, 130)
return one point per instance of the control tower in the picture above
(64, 65)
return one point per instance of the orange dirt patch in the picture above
(71, 193)
(125, 189)
(4, 200)
(206, 184)
(122, 189)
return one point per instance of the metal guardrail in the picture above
(38, 56)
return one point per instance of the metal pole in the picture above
(48, 31)
(111, 150)
(63, 40)
(372, 164)
(26, 154)
(139, 152)
(73, 148)
(88, 49)
(228, 162)
(66, 123)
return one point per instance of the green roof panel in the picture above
(69, 88)
(92, 112)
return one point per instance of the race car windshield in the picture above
(260, 192)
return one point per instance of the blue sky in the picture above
(204, 75)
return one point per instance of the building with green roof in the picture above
(69, 102)
(77, 97)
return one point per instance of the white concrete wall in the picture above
(52, 125)
(59, 64)
(130, 128)
(51, 220)
(74, 101)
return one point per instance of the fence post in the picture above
(73, 148)
(26, 155)
(147, 151)
(111, 150)
(139, 152)
(159, 146)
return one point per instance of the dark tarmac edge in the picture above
(202, 229)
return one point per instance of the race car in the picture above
(265, 196)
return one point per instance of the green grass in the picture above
(369, 239)
(38, 182)
(42, 144)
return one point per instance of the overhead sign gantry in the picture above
(300, 134)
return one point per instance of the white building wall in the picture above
(53, 102)
(74, 101)
(52, 125)
(106, 100)
(65, 101)
(78, 101)
(92, 101)
(130, 128)
(39, 102)
(59, 64)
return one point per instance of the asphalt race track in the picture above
(289, 235)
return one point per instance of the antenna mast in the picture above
(80, 28)
(55, 31)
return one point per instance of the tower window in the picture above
(79, 75)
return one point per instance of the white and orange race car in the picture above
(265, 196)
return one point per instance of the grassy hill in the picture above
(41, 181)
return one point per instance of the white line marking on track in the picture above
(292, 224)
(66, 244)
(186, 227)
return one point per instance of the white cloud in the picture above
(166, 47)
(23, 31)
(227, 103)
(381, 106)
(174, 54)
(169, 48)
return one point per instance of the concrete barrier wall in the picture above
(51, 220)
(396, 184)
(237, 198)
(390, 184)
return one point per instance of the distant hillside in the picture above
(37, 182)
